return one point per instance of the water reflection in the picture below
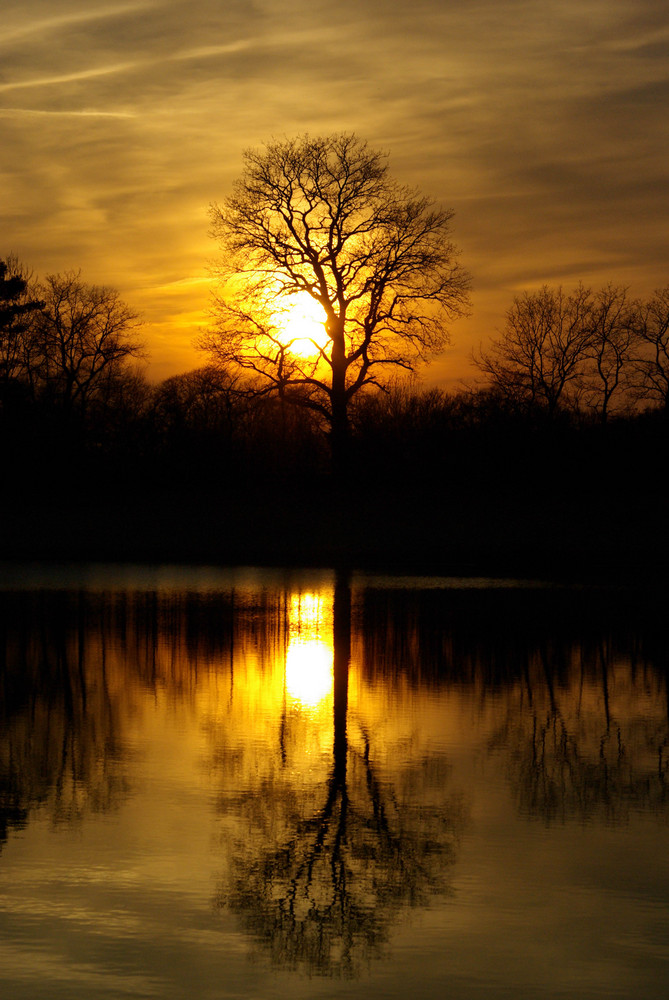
(309, 656)
(327, 719)
(597, 750)
(574, 683)
(61, 711)
(336, 832)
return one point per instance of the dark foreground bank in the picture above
(457, 485)
(527, 528)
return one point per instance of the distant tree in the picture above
(652, 361)
(210, 416)
(607, 376)
(202, 400)
(86, 336)
(405, 424)
(119, 416)
(18, 306)
(320, 217)
(542, 349)
(406, 407)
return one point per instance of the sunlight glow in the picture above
(309, 657)
(301, 321)
(309, 676)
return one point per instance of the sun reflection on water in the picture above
(309, 655)
(309, 675)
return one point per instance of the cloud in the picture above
(31, 22)
(83, 75)
(542, 125)
(83, 113)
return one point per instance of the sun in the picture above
(301, 322)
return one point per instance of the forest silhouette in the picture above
(481, 479)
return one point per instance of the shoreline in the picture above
(417, 532)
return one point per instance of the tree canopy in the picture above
(18, 307)
(585, 352)
(320, 220)
(86, 334)
(62, 341)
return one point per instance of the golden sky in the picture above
(544, 125)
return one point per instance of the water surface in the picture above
(226, 784)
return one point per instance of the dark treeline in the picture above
(560, 451)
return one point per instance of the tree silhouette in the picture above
(18, 306)
(652, 364)
(581, 350)
(320, 217)
(608, 372)
(86, 336)
(542, 349)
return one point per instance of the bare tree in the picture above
(86, 336)
(652, 363)
(608, 372)
(320, 217)
(542, 349)
(203, 399)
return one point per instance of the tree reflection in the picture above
(576, 682)
(59, 711)
(75, 669)
(322, 872)
(596, 746)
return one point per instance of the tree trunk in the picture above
(339, 434)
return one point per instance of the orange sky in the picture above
(543, 125)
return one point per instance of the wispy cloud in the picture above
(76, 113)
(640, 40)
(82, 75)
(214, 51)
(32, 24)
(543, 125)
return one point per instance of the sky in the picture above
(543, 125)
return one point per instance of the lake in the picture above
(265, 784)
